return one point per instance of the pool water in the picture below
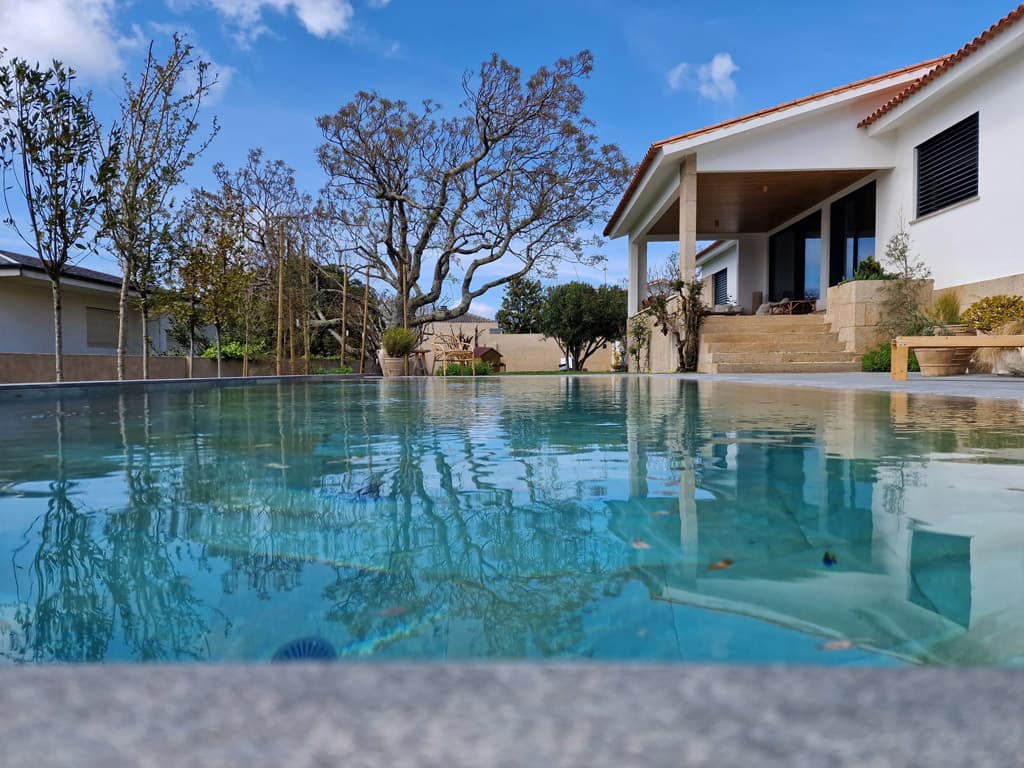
(598, 517)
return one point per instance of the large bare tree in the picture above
(509, 186)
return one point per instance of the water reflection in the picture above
(610, 517)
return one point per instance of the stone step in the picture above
(782, 357)
(744, 323)
(775, 344)
(821, 367)
(824, 336)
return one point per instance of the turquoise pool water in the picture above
(549, 517)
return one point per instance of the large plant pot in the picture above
(394, 366)
(942, 362)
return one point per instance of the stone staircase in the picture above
(772, 344)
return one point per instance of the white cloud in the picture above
(482, 308)
(322, 18)
(80, 33)
(714, 80)
(678, 76)
(378, 3)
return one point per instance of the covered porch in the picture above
(778, 235)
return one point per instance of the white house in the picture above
(795, 196)
(89, 311)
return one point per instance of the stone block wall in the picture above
(855, 310)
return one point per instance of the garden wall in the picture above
(26, 369)
(855, 310)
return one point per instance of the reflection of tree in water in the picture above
(521, 572)
(93, 574)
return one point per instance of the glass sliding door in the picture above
(852, 237)
(794, 261)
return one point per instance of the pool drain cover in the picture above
(306, 649)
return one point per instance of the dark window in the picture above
(947, 167)
(794, 261)
(852, 233)
(720, 280)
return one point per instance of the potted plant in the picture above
(944, 315)
(397, 344)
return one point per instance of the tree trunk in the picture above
(58, 334)
(144, 314)
(216, 329)
(122, 313)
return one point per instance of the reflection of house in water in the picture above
(920, 580)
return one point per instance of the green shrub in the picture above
(233, 350)
(398, 342)
(985, 314)
(334, 371)
(869, 269)
(461, 369)
(879, 359)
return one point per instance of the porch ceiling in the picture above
(734, 203)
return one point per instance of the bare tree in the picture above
(51, 147)
(159, 126)
(507, 188)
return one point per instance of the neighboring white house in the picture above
(89, 301)
(795, 196)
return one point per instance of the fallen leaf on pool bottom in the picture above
(396, 610)
(662, 513)
(720, 565)
(640, 544)
(275, 465)
(836, 645)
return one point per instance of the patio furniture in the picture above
(902, 345)
(451, 349)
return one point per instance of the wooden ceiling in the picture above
(734, 203)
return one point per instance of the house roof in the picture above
(469, 317)
(945, 65)
(11, 259)
(652, 151)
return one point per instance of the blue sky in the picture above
(661, 67)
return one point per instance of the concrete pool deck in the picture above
(528, 715)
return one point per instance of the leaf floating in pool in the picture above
(261, 445)
(829, 560)
(395, 610)
(640, 544)
(836, 645)
(662, 513)
(275, 465)
(721, 565)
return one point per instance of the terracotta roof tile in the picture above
(652, 151)
(945, 65)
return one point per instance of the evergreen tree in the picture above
(521, 308)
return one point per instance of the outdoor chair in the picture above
(451, 349)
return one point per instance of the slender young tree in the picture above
(160, 140)
(505, 188)
(53, 151)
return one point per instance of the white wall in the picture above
(753, 275)
(26, 315)
(975, 240)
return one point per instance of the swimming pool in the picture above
(603, 517)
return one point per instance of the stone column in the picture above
(688, 217)
(637, 275)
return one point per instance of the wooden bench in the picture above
(902, 345)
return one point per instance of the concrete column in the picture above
(688, 217)
(637, 275)
(826, 251)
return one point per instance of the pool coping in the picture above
(508, 714)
